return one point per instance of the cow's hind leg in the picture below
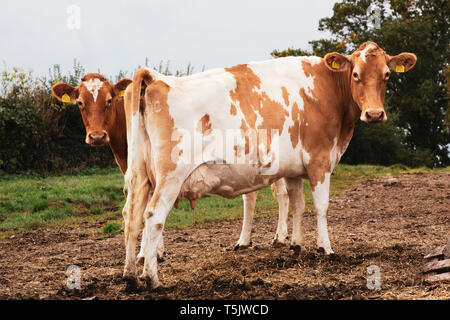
(164, 196)
(138, 190)
(281, 235)
(160, 253)
(249, 210)
(297, 202)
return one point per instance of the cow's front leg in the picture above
(321, 196)
(249, 210)
(281, 235)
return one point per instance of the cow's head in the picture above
(97, 99)
(369, 69)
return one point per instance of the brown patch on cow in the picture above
(156, 96)
(294, 130)
(244, 129)
(233, 110)
(253, 103)
(204, 125)
(237, 150)
(328, 117)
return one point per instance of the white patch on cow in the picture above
(93, 86)
(313, 60)
(365, 50)
(306, 157)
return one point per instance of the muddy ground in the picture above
(384, 222)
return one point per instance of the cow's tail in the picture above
(141, 79)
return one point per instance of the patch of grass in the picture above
(28, 202)
(111, 227)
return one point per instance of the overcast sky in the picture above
(119, 35)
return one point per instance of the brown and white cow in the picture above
(289, 118)
(101, 106)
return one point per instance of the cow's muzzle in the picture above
(97, 139)
(373, 116)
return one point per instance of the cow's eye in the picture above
(80, 103)
(356, 76)
(386, 75)
(109, 101)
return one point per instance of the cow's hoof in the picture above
(242, 247)
(296, 248)
(131, 284)
(334, 257)
(325, 251)
(160, 256)
(151, 284)
(278, 244)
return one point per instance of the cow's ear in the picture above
(402, 62)
(336, 62)
(122, 85)
(65, 92)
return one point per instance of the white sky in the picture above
(119, 35)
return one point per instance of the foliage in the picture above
(418, 132)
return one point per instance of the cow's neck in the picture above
(118, 137)
(348, 109)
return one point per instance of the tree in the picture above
(418, 102)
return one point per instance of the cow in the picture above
(102, 111)
(290, 118)
(101, 106)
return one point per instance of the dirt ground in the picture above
(390, 223)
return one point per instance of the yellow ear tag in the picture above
(400, 68)
(122, 93)
(335, 65)
(65, 98)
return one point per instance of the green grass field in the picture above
(96, 196)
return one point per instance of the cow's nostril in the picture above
(97, 137)
(377, 115)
